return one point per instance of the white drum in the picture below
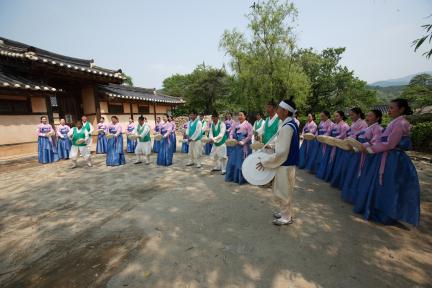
(252, 174)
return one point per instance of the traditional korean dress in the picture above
(185, 143)
(207, 146)
(47, 152)
(356, 163)
(156, 143)
(392, 190)
(241, 132)
(143, 147)
(317, 149)
(165, 154)
(194, 132)
(330, 161)
(229, 124)
(89, 128)
(64, 144)
(115, 153)
(102, 143)
(269, 128)
(256, 127)
(304, 153)
(173, 138)
(343, 157)
(218, 135)
(130, 144)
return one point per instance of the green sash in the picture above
(87, 127)
(192, 128)
(203, 126)
(140, 130)
(78, 135)
(216, 130)
(270, 131)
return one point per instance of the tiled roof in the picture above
(17, 50)
(138, 93)
(14, 81)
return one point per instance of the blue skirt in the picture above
(208, 148)
(130, 146)
(396, 195)
(314, 157)
(115, 154)
(46, 151)
(341, 161)
(165, 155)
(325, 164)
(102, 144)
(234, 165)
(185, 147)
(156, 145)
(173, 140)
(304, 153)
(63, 147)
(350, 180)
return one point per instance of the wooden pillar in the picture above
(154, 110)
(131, 111)
(49, 110)
(97, 104)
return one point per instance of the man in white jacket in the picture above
(194, 132)
(284, 160)
(218, 136)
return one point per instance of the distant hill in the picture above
(385, 94)
(398, 81)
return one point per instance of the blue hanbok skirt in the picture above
(47, 152)
(314, 157)
(173, 142)
(351, 176)
(156, 145)
(115, 153)
(63, 147)
(305, 153)
(185, 147)
(208, 148)
(165, 155)
(341, 161)
(130, 145)
(102, 144)
(234, 165)
(393, 196)
(325, 164)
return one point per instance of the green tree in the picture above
(419, 91)
(422, 40)
(263, 63)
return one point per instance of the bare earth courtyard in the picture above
(149, 226)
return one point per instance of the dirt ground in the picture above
(150, 226)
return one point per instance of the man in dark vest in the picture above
(284, 160)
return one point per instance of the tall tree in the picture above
(422, 40)
(419, 91)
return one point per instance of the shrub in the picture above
(421, 135)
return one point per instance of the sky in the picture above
(152, 40)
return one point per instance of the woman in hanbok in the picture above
(47, 152)
(102, 143)
(173, 138)
(390, 191)
(130, 143)
(229, 124)
(185, 143)
(316, 148)
(115, 153)
(339, 130)
(243, 133)
(157, 128)
(165, 154)
(64, 144)
(310, 127)
(343, 157)
(355, 165)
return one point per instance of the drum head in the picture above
(257, 145)
(308, 136)
(251, 174)
(342, 144)
(231, 142)
(158, 137)
(80, 141)
(354, 143)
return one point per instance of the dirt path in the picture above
(149, 226)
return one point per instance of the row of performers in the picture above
(378, 177)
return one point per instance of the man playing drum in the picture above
(284, 161)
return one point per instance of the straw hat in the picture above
(342, 144)
(355, 144)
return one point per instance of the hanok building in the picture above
(35, 82)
